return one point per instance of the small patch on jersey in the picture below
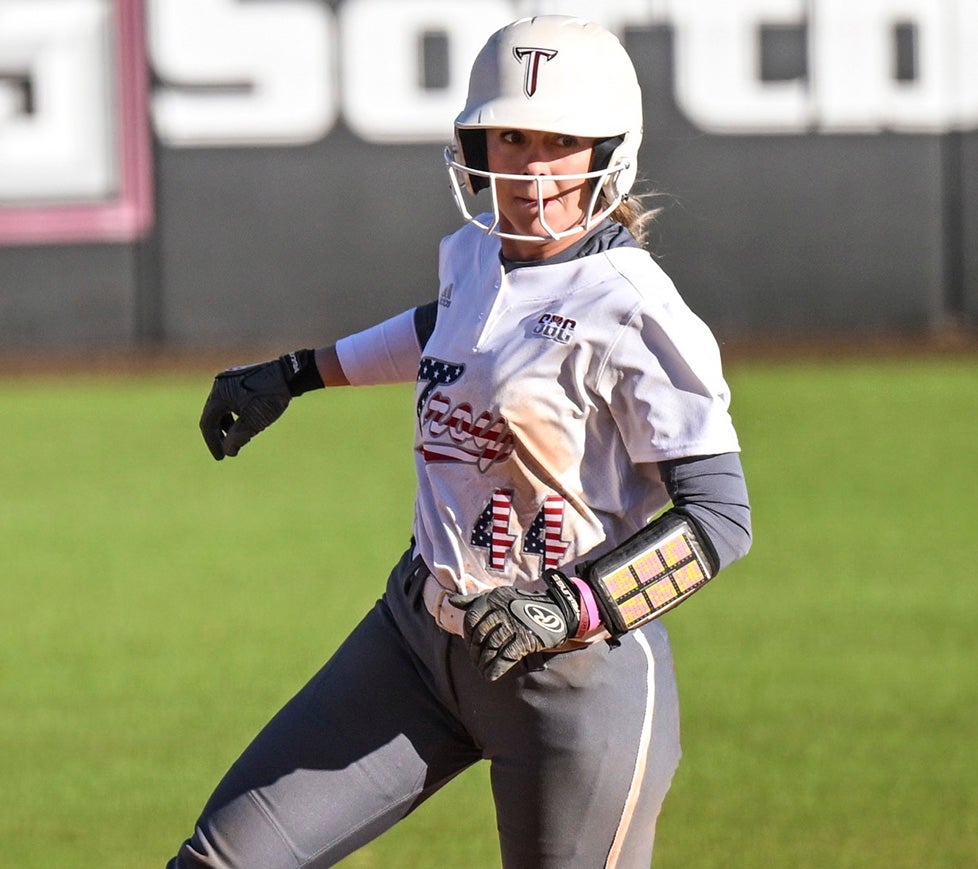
(445, 296)
(555, 328)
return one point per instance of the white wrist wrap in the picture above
(650, 573)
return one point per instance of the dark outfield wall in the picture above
(791, 206)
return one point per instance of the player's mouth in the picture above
(534, 202)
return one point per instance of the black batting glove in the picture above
(247, 399)
(506, 624)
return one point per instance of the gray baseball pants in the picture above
(582, 745)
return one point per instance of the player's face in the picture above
(534, 153)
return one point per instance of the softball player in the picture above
(578, 475)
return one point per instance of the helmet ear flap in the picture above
(603, 149)
(620, 153)
(475, 155)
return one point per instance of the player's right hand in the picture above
(243, 401)
(249, 398)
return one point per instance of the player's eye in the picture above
(512, 137)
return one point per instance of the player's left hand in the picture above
(506, 624)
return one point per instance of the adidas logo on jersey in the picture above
(556, 328)
(445, 296)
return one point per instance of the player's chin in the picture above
(555, 219)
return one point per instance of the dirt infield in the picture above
(954, 340)
(949, 342)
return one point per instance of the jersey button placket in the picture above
(486, 316)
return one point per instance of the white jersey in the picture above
(545, 398)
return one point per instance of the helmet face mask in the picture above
(467, 182)
(558, 74)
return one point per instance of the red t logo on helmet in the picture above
(532, 70)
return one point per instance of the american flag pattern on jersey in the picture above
(436, 372)
(544, 535)
(492, 530)
(457, 432)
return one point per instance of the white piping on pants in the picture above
(641, 760)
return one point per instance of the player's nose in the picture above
(537, 162)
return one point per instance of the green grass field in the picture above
(159, 606)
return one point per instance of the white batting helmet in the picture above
(559, 74)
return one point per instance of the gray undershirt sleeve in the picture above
(712, 490)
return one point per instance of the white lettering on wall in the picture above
(242, 73)
(851, 86)
(56, 101)
(852, 49)
(717, 81)
(383, 96)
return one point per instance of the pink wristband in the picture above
(590, 618)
